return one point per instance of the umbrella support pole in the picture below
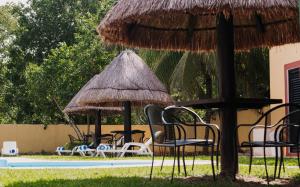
(98, 132)
(127, 121)
(227, 92)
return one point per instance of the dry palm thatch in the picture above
(74, 108)
(127, 78)
(191, 24)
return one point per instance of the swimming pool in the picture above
(28, 163)
(71, 164)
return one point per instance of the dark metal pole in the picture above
(227, 91)
(97, 139)
(127, 120)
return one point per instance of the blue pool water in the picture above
(75, 164)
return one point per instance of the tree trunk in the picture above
(227, 92)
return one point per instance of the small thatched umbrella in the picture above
(202, 25)
(126, 81)
(98, 112)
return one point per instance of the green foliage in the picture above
(191, 76)
(56, 50)
(8, 24)
(252, 72)
(43, 25)
(184, 74)
(66, 69)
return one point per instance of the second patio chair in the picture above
(277, 141)
(190, 120)
(289, 124)
(167, 133)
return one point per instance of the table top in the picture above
(241, 103)
(125, 132)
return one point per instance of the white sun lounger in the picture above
(84, 150)
(144, 149)
(61, 150)
(10, 148)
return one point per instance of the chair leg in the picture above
(283, 165)
(183, 160)
(152, 165)
(194, 157)
(178, 159)
(281, 161)
(276, 162)
(298, 156)
(173, 165)
(266, 167)
(212, 162)
(217, 156)
(162, 163)
(251, 158)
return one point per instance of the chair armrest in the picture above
(282, 127)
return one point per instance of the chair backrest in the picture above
(8, 146)
(176, 114)
(185, 117)
(182, 115)
(159, 132)
(266, 116)
(290, 126)
(292, 115)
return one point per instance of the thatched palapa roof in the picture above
(126, 78)
(74, 108)
(191, 24)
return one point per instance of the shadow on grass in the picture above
(202, 181)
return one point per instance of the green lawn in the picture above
(129, 177)
(135, 177)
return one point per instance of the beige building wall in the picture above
(280, 56)
(36, 139)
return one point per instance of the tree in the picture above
(187, 75)
(55, 51)
(193, 75)
(8, 24)
(252, 72)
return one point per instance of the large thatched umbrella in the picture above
(97, 111)
(126, 81)
(202, 25)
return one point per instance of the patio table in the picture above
(123, 133)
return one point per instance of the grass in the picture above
(137, 177)
(128, 177)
